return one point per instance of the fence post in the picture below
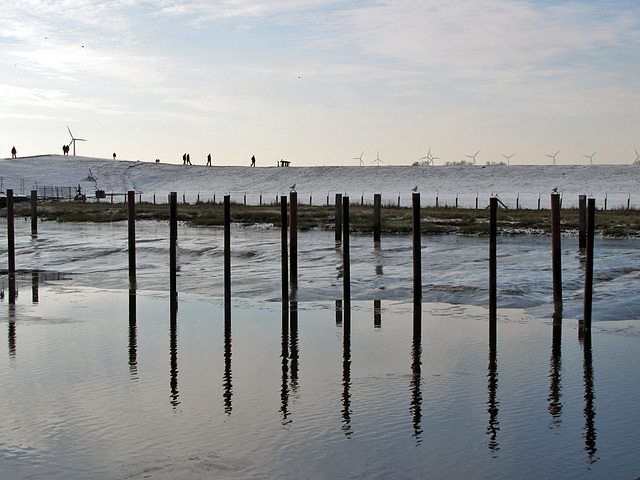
(173, 240)
(588, 284)
(346, 259)
(34, 213)
(582, 221)
(227, 254)
(293, 238)
(131, 199)
(417, 264)
(285, 267)
(377, 224)
(11, 246)
(493, 270)
(338, 235)
(556, 255)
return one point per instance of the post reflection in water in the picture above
(35, 284)
(493, 404)
(294, 352)
(589, 397)
(416, 379)
(338, 312)
(227, 377)
(284, 361)
(289, 358)
(377, 314)
(173, 351)
(555, 374)
(346, 374)
(133, 339)
(12, 331)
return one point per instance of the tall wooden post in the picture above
(34, 213)
(493, 271)
(173, 243)
(582, 221)
(556, 255)
(588, 284)
(227, 253)
(293, 238)
(131, 203)
(11, 246)
(417, 265)
(346, 259)
(285, 268)
(377, 224)
(338, 217)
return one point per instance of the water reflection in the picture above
(555, 375)
(133, 339)
(227, 377)
(35, 284)
(338, 312)
(416, 391)
(173, 352)
(284, 360)
(12, 331)
(493, 404)
(289, 359)
(346, 374)
(589, 397)
(294, 353)
(377, 314)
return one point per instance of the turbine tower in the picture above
(508, 157)
(554, 156)
(637, 160)
(473, 157)
(590, 157)
(378, 160)
(74, 140)
(359, 158)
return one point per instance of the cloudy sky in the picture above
(317, 82)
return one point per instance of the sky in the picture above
(318, 82)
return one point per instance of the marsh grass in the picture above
(442, 220)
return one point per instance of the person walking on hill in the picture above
(14, 152)
(184, 158)
(209, 160)
(253, 160)
(188, 159)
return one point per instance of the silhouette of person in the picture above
(14, 152)
(65, 149)
(188, 159)
(209, 160)
(114, 155)
(253, 160)
(184, 159)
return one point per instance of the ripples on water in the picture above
(101, 383)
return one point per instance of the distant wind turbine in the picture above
(74, 140)
(590, 157)
(554, 156)
(429, 158)
(473, 157)
(378, 160)
(359, 158)
(508, 157)
(637, 160)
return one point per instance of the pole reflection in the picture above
(555, 374)
(346, 374)
(338, 313)
(377, 314)
(173, 351)
(227, 377)
(493, 404)
(590, 445)
(133, 338)
(416, 379)
(294, 352)
(12, 331)
(35, 284)
(284, 361)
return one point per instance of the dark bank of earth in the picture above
(395, 220)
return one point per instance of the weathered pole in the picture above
(227, 253)
(285, 268)
(293, 238)
(377, 224)
(346, 259)
(556, 256)
(417, 265)
(131, 200)
(11, 246)
(582, 222)
(588, 284)
(493, 271)
(338, 217)
(173, 241)
(34, 213)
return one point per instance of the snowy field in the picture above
(617, 183)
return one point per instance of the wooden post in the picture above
(556, 255)
(588, 284)
(605, 203)
(293, 238)
(285, 268)
(338, 217)
(398, 200)
(417, 265)
(11, 246)
(582, 221)
(493, 270)
(173, 241)
(436, 201)
(538, 202)
(377, 224)
(346, 259)
(476, 201)
(131, 199)
(34, 213)
(227, 254)
(377, 314)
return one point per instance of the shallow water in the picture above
(103, 384)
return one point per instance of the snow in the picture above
(616, 183)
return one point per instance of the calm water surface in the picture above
(100, 382)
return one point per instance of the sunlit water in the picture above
(99, 383)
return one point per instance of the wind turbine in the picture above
(377, 158)
(508, 157)
(590, 157)
(74, 140)
(637, 160)
(554, 156)
(359, 158)
(473, 156)
(429, 158)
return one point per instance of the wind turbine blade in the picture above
(69, 131)
(81, 139)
